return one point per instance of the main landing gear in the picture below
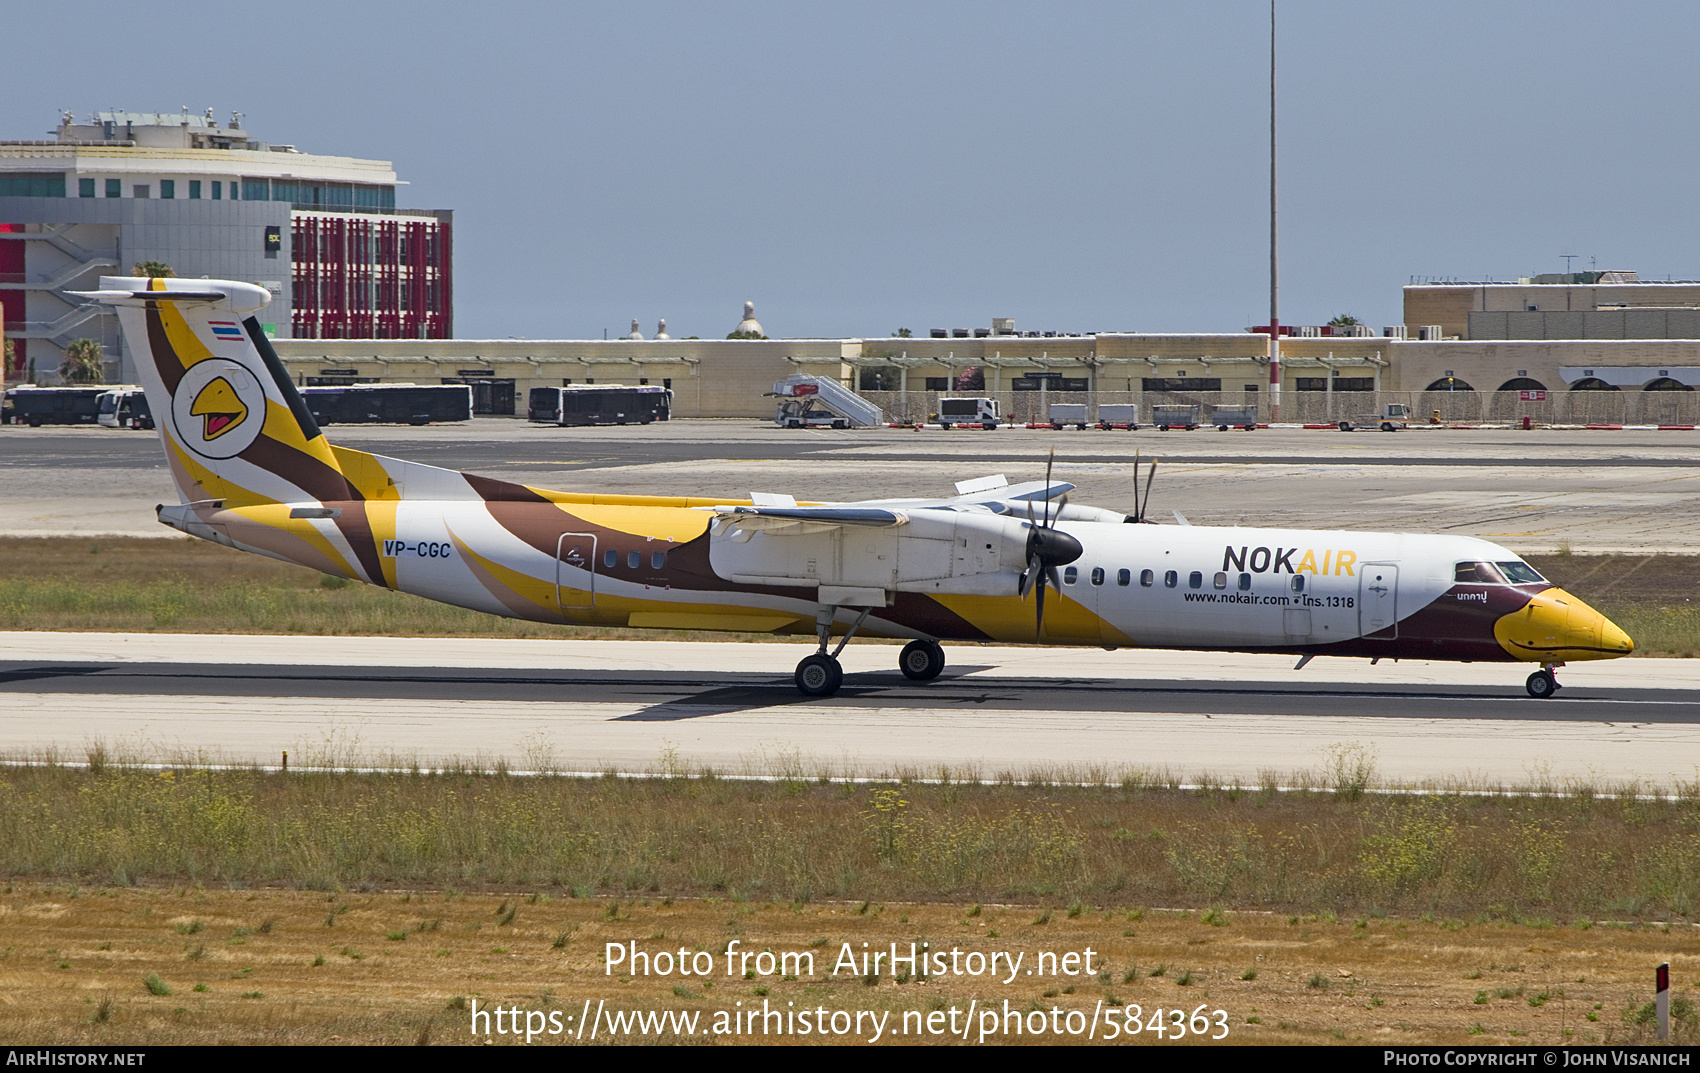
(820, 674)
(1543, 684)
(921, 661)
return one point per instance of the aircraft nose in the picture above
(1612, 637)
(1588, 631)
(1556, 626)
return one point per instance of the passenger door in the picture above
(1378, 589)
(575, 571)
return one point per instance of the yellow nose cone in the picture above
(1613, 638)
(1556, 627)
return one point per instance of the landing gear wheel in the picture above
(1541, 685)
(819, 676)
(921, 661)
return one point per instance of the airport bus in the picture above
(389, 404)
(124, 407)
(37, 406)
(597, 404)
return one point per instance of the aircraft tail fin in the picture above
(233, 426)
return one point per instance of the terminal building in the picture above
(322, 233)
(363, 291)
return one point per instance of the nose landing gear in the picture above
(1543, 683)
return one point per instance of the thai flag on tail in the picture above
(225, 329)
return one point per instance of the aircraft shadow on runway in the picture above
(664, 696)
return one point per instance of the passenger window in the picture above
(1477, 574)
(1245, 582)
(1070, 575)
(610, 557)
(1147, 578)
(657, 560)
(1221, 580)
(1171, 579)
(1097, 575)
(1298, 583)
(1195, 580)
(633, 559)
(1124, 577)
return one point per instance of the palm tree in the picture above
(82, 364)
(153, 270)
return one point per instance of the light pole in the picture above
(1274, 260)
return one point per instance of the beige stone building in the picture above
(1580, 348)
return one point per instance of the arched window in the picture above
(1522, 383)
(1449, 383)
(1592, 383)
(1665, 383)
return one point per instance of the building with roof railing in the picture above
(322, 233)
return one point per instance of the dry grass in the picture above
(124, 585)
(132, 585)
(329, 969)
(1464, 856)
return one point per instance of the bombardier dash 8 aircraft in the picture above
(255, 473)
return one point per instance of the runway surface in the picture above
(664, 706)
(1636, 491)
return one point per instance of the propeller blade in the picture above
(1052, 576)
(1150, 479)
(1039, 619)
(1138, 512)
(1048, 464)
(1031, 576)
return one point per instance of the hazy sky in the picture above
(856, 168)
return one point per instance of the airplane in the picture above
(254, 472)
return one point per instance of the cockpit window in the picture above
(1520, 573)
(1478, 574)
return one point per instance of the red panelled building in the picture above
(357, 276)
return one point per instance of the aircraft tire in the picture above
(819, 676)
(1541, 685)
(921, 661)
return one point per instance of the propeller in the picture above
(1139, 504)
(1047, 549)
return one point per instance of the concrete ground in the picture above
(1597, 491)
(679, 705)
